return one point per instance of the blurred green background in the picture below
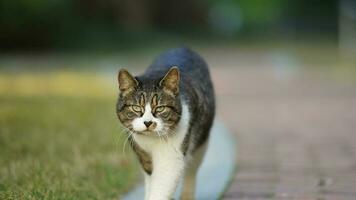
(121, 24)
(59, 136)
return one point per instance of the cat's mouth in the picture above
(146, 132)
(150, 133)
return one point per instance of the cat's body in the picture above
(177, 108)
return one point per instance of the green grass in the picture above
(59, 145)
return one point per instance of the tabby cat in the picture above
(168, 112)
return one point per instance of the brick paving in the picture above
(296, 133)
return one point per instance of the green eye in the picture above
(130, 114)
(160, 108)
(136, 108)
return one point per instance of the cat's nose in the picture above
(147, 123)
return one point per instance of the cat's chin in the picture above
(148, 133)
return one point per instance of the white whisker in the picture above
(129, 136)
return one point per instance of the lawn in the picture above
(60, 138)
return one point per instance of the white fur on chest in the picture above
(167, 158)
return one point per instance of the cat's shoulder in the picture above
(183, 57)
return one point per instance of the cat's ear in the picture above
(126, 81)
(170, 82)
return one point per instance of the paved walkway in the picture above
(296, 133)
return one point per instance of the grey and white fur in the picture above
(168, 112)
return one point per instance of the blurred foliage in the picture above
(56, 24)
(258, 12)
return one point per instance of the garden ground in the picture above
(60, 139)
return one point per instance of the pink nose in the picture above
(147, 123)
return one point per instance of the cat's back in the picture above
(189, 63)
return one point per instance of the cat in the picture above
(168, 112)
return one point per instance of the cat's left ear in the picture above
(170, 82)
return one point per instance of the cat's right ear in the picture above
(127, 82)
(170, 82)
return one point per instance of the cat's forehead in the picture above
(148, 90)
(146, 96)
(153, 98)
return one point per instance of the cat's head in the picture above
(148, 105)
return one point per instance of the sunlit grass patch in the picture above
(60, 83)
(61, 141)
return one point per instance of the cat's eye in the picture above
(130, 114)
(136, 108)
(160, 108)
(165, 114)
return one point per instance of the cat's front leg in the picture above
(147, 185)
(167, 172)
